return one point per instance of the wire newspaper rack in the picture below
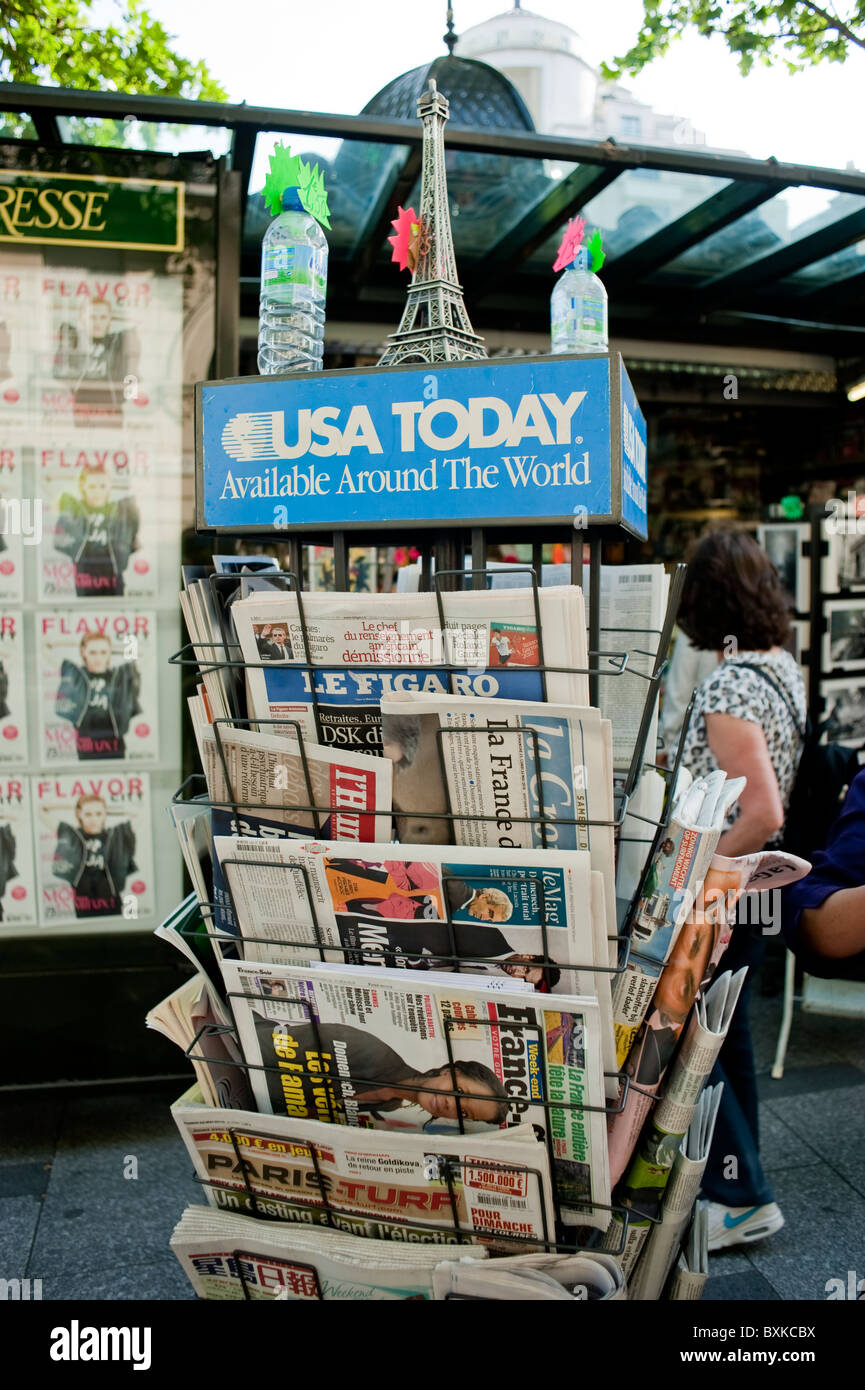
(556, 1236)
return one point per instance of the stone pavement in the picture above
(69, 1216)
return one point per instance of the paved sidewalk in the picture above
(70, 1215)
(812, 1141)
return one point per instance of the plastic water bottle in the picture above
(578, 309)
(293, 290)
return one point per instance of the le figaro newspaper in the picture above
(340, 1045)
(362, 642)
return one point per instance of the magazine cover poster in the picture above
(93, 847)
(101, 503)
(17, 303)
(18, 896)
(109, 348)
(21, 519)
(13, 694)
(98, 682)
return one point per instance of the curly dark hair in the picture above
(732, 589)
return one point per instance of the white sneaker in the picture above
(742, 1225)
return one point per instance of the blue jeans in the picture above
(736, 1131)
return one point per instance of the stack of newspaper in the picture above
(227, 1256)
(492, 1190)
(588, 1277)
(691, 955)
(666, 1235)
(528, 915)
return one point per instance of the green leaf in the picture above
(289, 170)
(595, 248)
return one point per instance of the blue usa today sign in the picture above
(528, 439)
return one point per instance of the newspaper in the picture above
(229, 1256)
(269, 781)
(675, 878)
(520, 914)
(665, 1237)
(637, 836)
(590, 1276)
(645, 1180)
(633, 606)
(690, 966)
(361, 642)
(493, 1188)
(192, 826)
(193, 1013)
(373, 1050)
(531, 768)
(692, 1267)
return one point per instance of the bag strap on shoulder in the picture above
(779, 690)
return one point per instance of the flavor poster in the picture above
(104, 503)
(109, 349)
(18, 896)
(13, 692)
(98, 682)
(93, 847)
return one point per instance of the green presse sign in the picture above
(90, 210)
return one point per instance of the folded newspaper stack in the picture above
(194, 1012)
(485, 1189)
(672, 885)
(665, 1237)
(227, 1256)
(588, 1277)
(387, 1050)
(690, 965)
(691, 1270)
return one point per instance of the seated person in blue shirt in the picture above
(824, 914)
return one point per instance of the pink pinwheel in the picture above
(406, 225)
(571, 243)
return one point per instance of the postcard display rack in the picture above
(821, 560)
(440, 445)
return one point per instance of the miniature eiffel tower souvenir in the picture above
(435, 325)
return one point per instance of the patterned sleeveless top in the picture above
(745, 694)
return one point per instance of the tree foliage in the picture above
(58, 42)
(794, 32)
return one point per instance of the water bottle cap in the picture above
(581, 260)
(291, 200)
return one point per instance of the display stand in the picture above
(454, 450)
(466, 543)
